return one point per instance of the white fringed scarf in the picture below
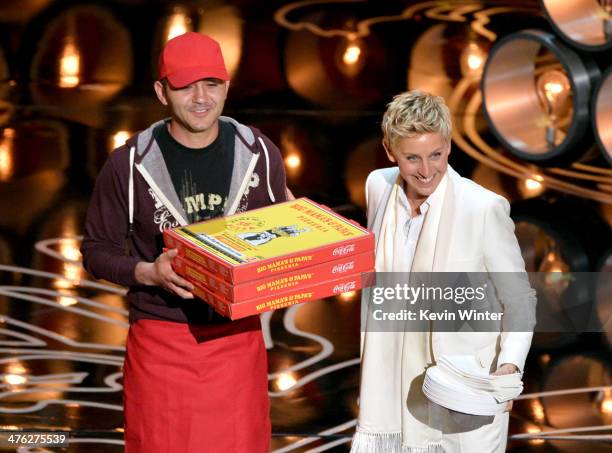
(393, 411)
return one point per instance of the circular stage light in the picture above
(602, 114)
(536, 94)
(586, 24)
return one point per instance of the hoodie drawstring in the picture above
(270, 194)
(131, 191)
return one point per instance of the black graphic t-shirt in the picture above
(201, 176)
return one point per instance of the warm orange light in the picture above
(285, 381)
(348, 296)
(535, 430)
(291, 151)
(178, 24)
(537, 411)
(472, 59)
(545, 359)
(351, 54)
(532, 185)
(66, 301)
(15, 379)
(16, 368)
(474, 62)
(606, 403)
(293, 161)
(554, 91)
(119, 139)
(70, 66)
(6, 154)
(69, 249)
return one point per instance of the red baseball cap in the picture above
(190, 57)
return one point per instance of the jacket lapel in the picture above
(445, 228)
(432, 247)
(375, 219)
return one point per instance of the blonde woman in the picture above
(427, 218)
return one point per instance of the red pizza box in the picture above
(259, 305)
(294, 280)
(269, 241)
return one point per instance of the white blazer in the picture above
(470, 231)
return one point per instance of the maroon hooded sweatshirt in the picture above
(132, 204)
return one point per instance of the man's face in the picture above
(195, 107)
(422, 162)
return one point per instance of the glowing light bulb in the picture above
(178, 24)
(472, 59)
(545, 359)
(15, 379)
(16, 374)
(119, 139)
(285, 381)
(351, 54)
(66, 301)
(606, 402)
(532, 185)
(69, 248)
(555, 271)
(554, 92)
(535, 430)
(293, 161)
(6, 154)
(70, 66)
(538, 411)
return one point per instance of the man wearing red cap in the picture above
(193, 381)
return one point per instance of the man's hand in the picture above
(507, 368)
(160, 273)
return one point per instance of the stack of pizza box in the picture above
(272, 257)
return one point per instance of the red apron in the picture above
(196, 389)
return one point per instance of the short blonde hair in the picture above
(414, 113)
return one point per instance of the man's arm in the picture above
(104, 246)
(505, 264)
(105, 241)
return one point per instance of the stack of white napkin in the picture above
(459, 383)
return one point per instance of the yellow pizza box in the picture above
(268, 241)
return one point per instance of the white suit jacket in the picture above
(470, 231)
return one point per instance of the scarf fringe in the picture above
(364, 442)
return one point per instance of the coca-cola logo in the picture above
(344, 287)
(341, 268)
(344, 250)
